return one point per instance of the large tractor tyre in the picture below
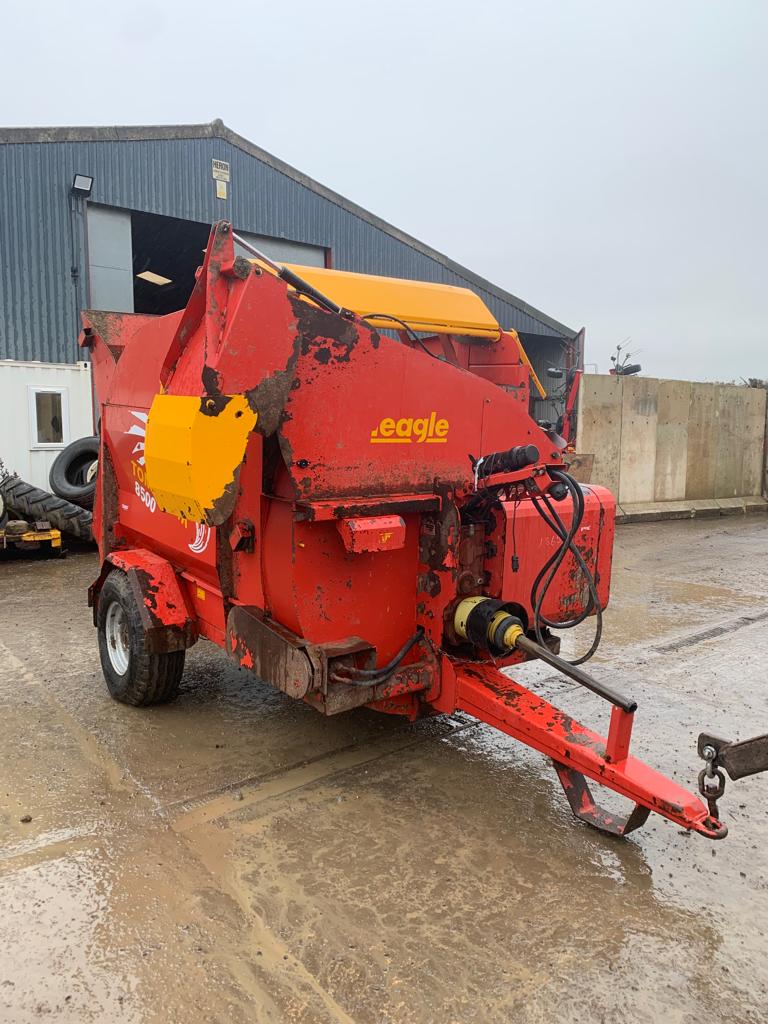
(25, 501)
(132, 673)
(73, 473)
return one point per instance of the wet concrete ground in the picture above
(235, 857)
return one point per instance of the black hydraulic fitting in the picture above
(558, 490)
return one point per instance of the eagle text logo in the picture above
(426, 430)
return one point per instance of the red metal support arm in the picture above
(487, 694)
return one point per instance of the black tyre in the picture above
(132, 673)
(73, 473)
(22, 500)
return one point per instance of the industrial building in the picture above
(117, 218)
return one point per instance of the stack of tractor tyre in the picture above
(67, 506)
(23, 501)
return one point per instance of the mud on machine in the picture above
(335, 478)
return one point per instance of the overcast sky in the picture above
(605, 160)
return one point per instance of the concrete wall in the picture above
(673, 440)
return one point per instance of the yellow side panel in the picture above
(192, 456)
(432, 308)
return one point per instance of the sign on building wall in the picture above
(220, 170)
(220, 174)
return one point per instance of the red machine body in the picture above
(365, 508)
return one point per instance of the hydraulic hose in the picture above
(548, 572)
(408, 330)
(374, 676)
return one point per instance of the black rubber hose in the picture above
(548, 572)
(566, 536)
(553, 565)
(408, 330)
(373, 676)
(558, 527)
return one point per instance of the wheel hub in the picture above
(116, 631)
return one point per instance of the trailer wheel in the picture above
(133, 674)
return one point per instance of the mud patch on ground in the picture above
(234, 856)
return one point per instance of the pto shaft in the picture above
(489, 624)
(578, 675)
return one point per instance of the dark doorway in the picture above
(167, 251)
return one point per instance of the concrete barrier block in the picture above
(731, 406)
(639, 414)
(753, 441)
(672, 440)
(599, 426)
(663, 441)
(702, 431)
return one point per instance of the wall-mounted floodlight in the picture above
(82, 185)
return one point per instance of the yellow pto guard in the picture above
(431, 308)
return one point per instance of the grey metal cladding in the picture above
(168, 171)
